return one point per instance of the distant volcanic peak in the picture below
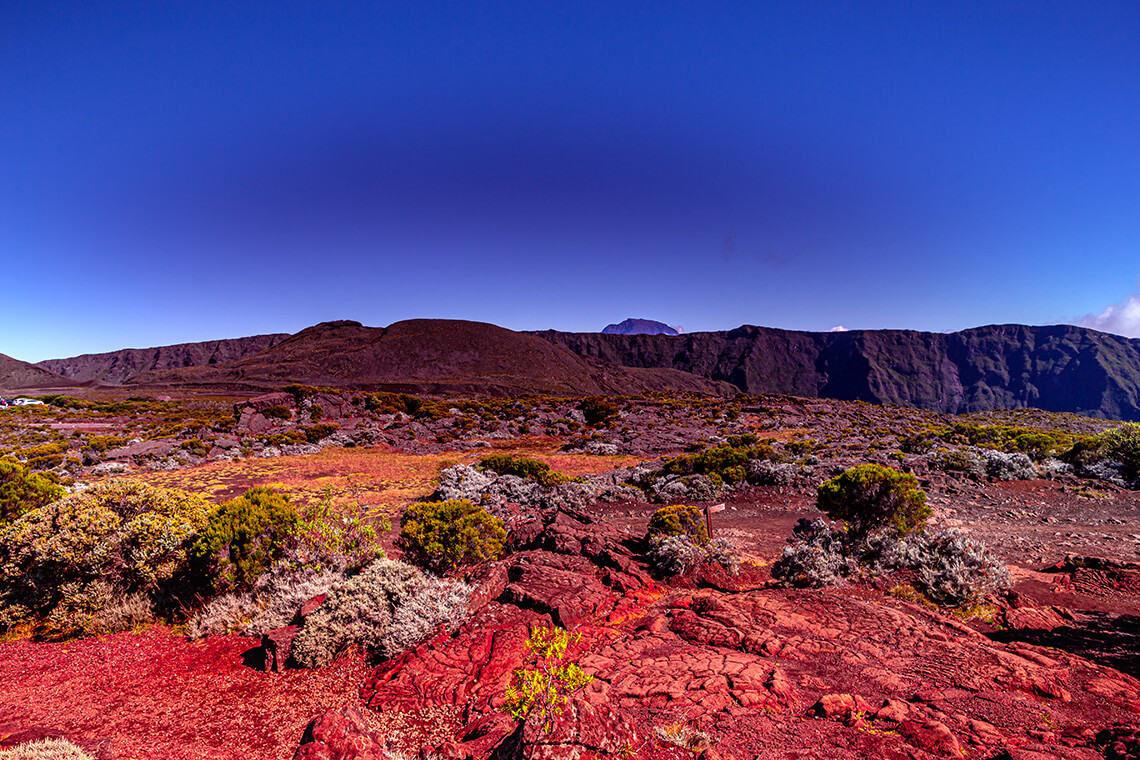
(640, 327)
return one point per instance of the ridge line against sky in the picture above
(174, 172)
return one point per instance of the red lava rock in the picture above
(836, 706)
(278, 646)
(1034, 618)
(933, 736)
(893, 709)
(1120, 742)
(340, 735)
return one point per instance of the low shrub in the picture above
(338, 538)
(73, 564)
(391, 403)
(952, 569)
(1113, 455)
(949, 568)
(819, 557)
(598, 410)
(22, 491)
(677, 555)
(45, 749)
(959, 460)
(277, 412)
(318, 432)
(1002, 466)
(522, 467)
(366, 611)
(679, 520)
(244, 536)
(444, 535)
(870, 497)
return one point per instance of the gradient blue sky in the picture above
(177, 171)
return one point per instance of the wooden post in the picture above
(708, 517)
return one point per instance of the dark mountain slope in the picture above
(116, 367)
(431, 356)
(18, 375)
(1057, 368)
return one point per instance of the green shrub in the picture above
(22, 491)
(391, 403)
(196, 447)
(320, 431)
(598, 410)
(679, 520)
(1120, 444)
(131, 537)
(870, 497)
(338, 538)
(523, 467)
(277, 412)
(244, 537)
(446, 534)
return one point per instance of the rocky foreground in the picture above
(743, 669)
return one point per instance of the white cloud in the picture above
(838, 328)
(1121, 318)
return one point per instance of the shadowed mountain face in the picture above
(430, 356)
(18, 375)
(116, 367)
(1058, 368)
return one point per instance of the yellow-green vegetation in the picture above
(1121, 444)
(444, 535)
(22, 490)
(243, 537)
(392, 403)
(332, 537)
(599, 410)
(86, 550)
(726, 463)
(679, 520)
(523, 467)
(544, 689)
(870, 497)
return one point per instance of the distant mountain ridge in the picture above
(117, 367)
(640, 327)
(1057, 368)
(435, 356)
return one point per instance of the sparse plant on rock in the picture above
(544, 689)
(870, 497)
(444, 535)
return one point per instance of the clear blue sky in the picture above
(181, 171)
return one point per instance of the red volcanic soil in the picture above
(157, 695)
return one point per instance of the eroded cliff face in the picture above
(117, 367)
(1057, 368)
